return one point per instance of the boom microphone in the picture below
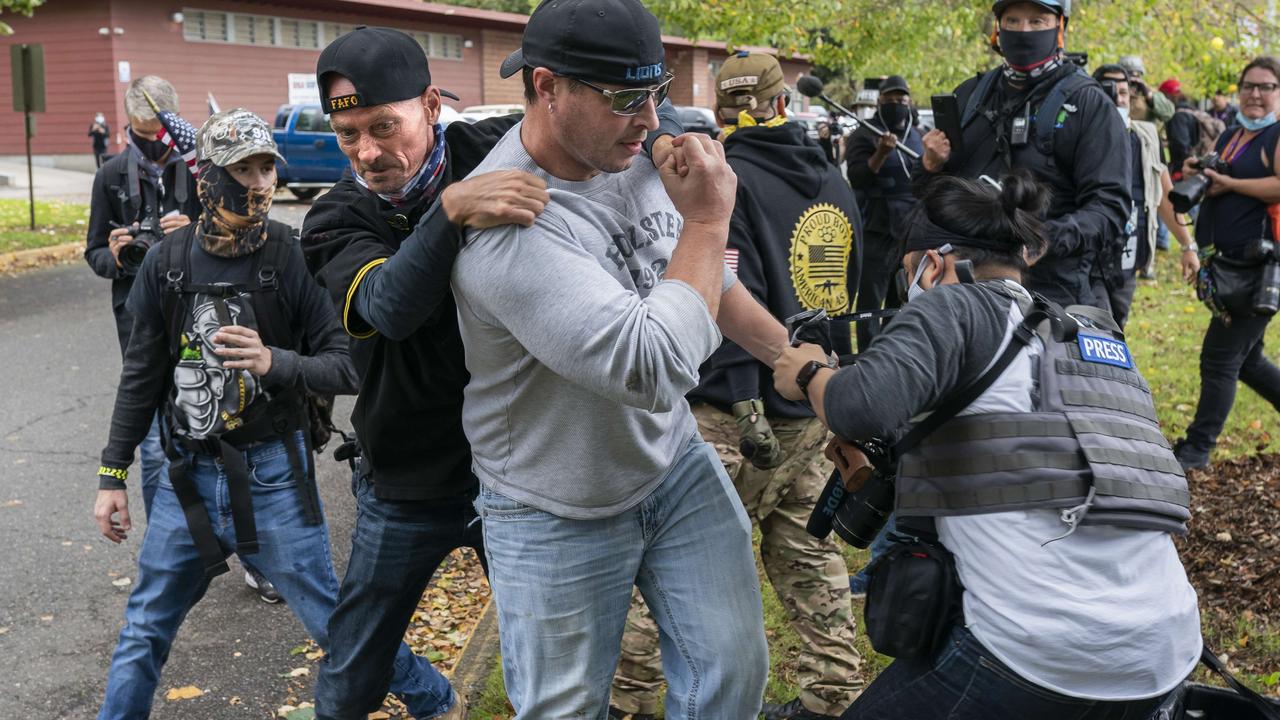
(810, 86)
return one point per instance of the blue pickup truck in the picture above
(313, 161)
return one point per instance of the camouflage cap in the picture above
(747, 81)
(229, 137)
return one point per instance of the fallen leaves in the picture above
(122, 582)
(11, 503)
(1232, 555)
(186, 692)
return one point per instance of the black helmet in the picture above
(1061, 7)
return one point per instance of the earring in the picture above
(551, 108)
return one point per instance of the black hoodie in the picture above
(795, 240)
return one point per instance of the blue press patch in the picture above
(1096, 349)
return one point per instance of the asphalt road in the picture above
(59, 610)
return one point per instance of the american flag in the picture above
(176, 133)
(180, 135)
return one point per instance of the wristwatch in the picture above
(1192, 247)
(806, 374)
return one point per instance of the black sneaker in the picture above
(791, 711)
(1190, 458)
(258, 582)
(616, 714)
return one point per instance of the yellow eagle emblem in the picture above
(820, 247)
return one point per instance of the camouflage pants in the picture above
(809, 575)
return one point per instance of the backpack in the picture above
(1211, 128)
(269, 311)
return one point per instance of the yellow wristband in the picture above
(117, 473)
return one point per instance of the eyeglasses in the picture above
(627, 102)
(1263, 88)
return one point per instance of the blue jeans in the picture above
(293, 555)
(964, 681)
(563, 587)
(396, 547)
(155, 465)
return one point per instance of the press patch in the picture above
(1096, 349)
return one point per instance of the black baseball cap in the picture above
(609, 41)
(385, 65)
(894, 83)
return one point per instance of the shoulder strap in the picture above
(268, 304)
(973, 107)
(175, 277)
(1268, 709)
(1022, 335)
(1047, 115)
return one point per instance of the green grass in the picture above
(1165, 331)
(56, 223)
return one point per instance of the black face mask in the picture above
(151, 149)
(1024, 51)
(895, 116)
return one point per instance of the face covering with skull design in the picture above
(233, 222)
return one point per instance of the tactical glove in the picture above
(756, 440)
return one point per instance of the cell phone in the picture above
(946, 117)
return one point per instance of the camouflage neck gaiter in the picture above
(234, 218)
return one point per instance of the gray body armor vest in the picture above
(1091, 445)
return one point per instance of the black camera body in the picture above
(1190, 191)
(143, 234)
(1266, 300)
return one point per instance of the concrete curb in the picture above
(478, 657)
(19, 260)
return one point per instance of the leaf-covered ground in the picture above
(56, 223)
(448, 611)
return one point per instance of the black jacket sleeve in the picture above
(102, 213)
(861, 147)
(403, 293)
(1183, 131)
(326, 367)
(1096, 155)
(668, 124)
(143, 379)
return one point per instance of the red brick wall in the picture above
(79, 74)
(81, 65)
(496, 45)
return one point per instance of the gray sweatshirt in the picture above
(580, 353)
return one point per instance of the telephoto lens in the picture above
(1267, 299)
(1188, 193)
(863, 514)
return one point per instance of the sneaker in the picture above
(457, 712)
(258, 582)
(616, 714)
(1190, 458)
(858, 585)
(792, 711)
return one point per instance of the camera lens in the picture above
(861, 517)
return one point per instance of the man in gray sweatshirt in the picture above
(583, 333)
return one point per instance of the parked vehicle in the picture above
(480, 112)
(698, 119)
(310, 149)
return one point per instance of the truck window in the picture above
(312, 120)
(282, 119)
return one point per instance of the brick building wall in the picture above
(82, 65)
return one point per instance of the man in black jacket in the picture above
(145, 183)
(413, 485)
(879, 169)
(794, 242)
(1080, 152)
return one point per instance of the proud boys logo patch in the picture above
(820, 247)
(1105, 351)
